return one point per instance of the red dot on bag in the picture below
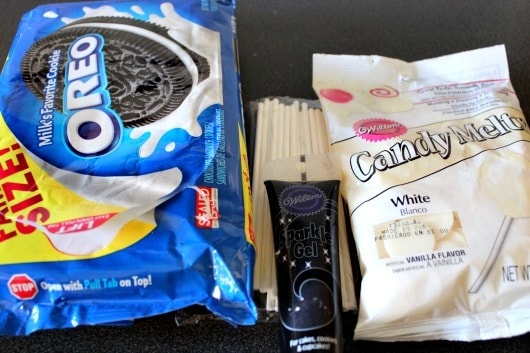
(336, 95)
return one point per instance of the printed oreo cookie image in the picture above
(146, 80)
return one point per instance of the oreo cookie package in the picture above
(123, 170)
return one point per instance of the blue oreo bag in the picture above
(124, 187)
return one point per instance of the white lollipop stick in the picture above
(276, 146)
(294, 138)
(305, 130)
(322, 131)
(260, 153)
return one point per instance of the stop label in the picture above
(22, 286)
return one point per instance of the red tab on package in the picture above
(206, 208)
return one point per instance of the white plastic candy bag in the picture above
(436, 163)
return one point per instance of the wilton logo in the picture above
(378, 129)
(302, 200)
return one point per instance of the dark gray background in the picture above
(276, 41)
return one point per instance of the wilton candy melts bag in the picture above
(123, 169)
(436, 168)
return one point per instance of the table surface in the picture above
(276, 41)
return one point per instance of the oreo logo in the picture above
(91, 129)
(302, 200)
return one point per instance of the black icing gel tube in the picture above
(304, 219)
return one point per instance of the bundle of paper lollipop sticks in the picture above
(286, 128)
